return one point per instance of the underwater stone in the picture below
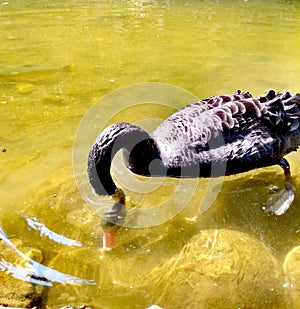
(220, 269)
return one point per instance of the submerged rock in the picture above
(220, 269)
(15, 292)
(291, 268)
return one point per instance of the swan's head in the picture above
(140, 151)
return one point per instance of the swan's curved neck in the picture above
(140, 147)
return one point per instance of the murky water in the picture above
(58, 59)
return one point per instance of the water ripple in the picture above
(34, 224)
(35, 272)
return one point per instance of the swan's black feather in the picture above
(238, 129)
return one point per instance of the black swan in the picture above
(237, 131)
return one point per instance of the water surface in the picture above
(58, 59)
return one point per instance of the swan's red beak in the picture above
(108, 240)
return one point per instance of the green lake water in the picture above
(57, 59)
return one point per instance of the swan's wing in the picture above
(256, 148)
(205, 125)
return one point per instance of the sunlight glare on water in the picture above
(59, 58)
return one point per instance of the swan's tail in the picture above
(283, 110)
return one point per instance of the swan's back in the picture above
(228, 128)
